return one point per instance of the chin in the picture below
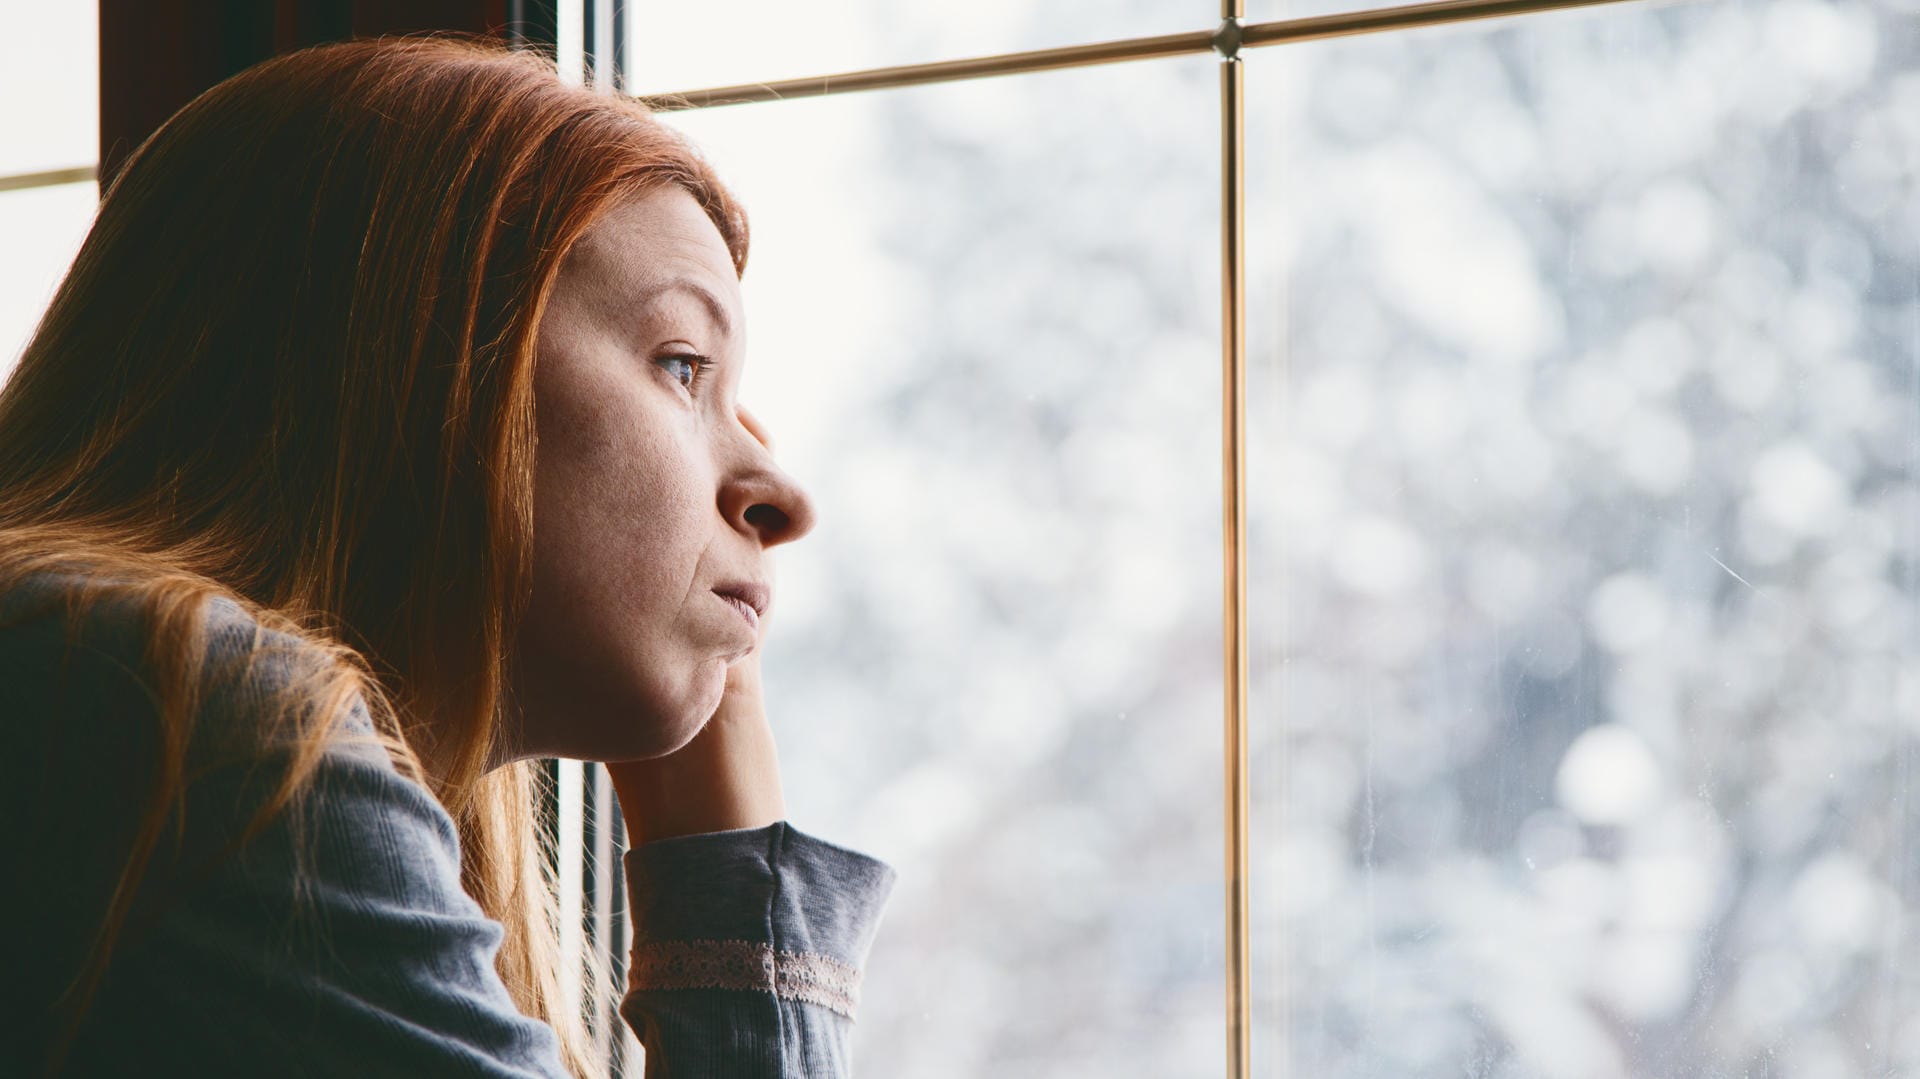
(673, 724)
(712, 685)
(634, 718)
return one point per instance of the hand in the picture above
(727, 777)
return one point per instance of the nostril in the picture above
(770, 520)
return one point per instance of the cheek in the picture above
(604, 490)
(609, 541)
(633, 662)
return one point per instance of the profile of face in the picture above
(653, 489)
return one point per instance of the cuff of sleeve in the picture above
(772, 909)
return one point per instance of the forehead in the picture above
(661, 236)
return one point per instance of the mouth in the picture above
(750, 598)
(746, 609)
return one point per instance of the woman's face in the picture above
(652, 489)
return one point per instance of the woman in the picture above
(382, 438)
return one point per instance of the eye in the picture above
(694, 363)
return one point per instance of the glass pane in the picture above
(682, 46)
(43, 227)
(1270, 10)
(1587, 537)
(49, 87)
(983, 334)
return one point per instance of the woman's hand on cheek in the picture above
(727, 777)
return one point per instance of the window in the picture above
(1581, 511)
(1583, 567)
(1581, 486)
(47, 193)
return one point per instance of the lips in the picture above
(746, 610)
(750, 598)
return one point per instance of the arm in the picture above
(363, 957)
(750, 936)
(748, 951)
(749, 944)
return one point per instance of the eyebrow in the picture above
(715, 309)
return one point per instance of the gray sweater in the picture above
(749, 944)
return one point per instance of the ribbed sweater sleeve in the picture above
(748, 952)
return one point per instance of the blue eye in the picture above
(695, 363)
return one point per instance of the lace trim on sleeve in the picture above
(745, 964)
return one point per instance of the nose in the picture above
(764, 500)
(774, 507)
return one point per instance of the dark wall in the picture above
(156, 55)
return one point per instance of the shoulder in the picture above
(86, 689)
(91, 654)
(94, 703)
(83, 782)
(338, 935)
(89, 709)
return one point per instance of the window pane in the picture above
(1586, 536)
(43, 227)
(49, 87)
(984, 324)
(680, 46)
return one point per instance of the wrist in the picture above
(727, 778)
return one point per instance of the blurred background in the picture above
(1583, 498)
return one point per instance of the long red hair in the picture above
(292, 365)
